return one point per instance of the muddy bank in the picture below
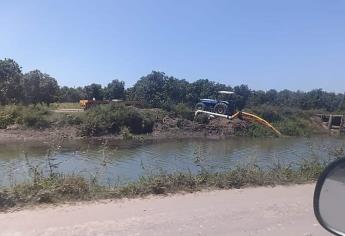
(164, 128)
(167, 128)
(218, 127)
(23, 134)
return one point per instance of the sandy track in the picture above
(252, 211)
(70, 110)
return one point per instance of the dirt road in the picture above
(251, 211)
(68, 110)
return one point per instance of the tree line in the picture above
(155, 89)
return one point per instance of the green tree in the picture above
(94, 91)
(150, 89)
(68, 94)
(174, 91)
(257, 98)
(271, 96)
(242, 94)
(203, 88)
(115, 90)
(40, 88)
(10, 82)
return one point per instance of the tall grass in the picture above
(57, 187)
(33, 116)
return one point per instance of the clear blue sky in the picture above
(294, 44)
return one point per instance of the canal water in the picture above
(120, 162)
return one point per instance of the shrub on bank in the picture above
(183, 111)
(36, 116)
(5, 120)
(33, 116)
(255, 130)
(10, 115)
(69, 119)
(109, 119)
(269, 113)
(289, 121)
(202, 118)
(294, 126)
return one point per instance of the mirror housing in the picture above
(329, 198)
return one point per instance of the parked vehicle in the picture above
(225, 107)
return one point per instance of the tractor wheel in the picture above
(221, 108)
(200, 106)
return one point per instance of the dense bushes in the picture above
(29, 116)
(109, 119)
(277, 113)
(116, 119)
(183, 111)
(8, 116)
(289, 121)
(36, 116)
(73, 119)
(256, 130)
(202, 119)
(100, 120)
(269, 113)
(296, 126)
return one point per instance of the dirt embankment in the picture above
(168, 127)
(22, 134)
(253, 211)
(176, 127)
(164, 128)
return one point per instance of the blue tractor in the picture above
(225, 107)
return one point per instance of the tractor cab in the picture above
(224, 105)
(225, 95)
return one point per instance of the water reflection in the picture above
(128, 161)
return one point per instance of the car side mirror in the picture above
(329, 198)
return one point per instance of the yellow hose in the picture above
(247, 116)
(250, 116)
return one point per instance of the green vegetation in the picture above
(9, 115)
(112, 118)
(289, 121)
(28, 116)
(289, 111)
(56, 188)
(65, 105)
(296, 126)
(202, 119)
(254, 130)
(67, 119)
(36, 117)
(109, 119)
(183, 111)
(156, 89)
(27, 100)
(100, 120)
